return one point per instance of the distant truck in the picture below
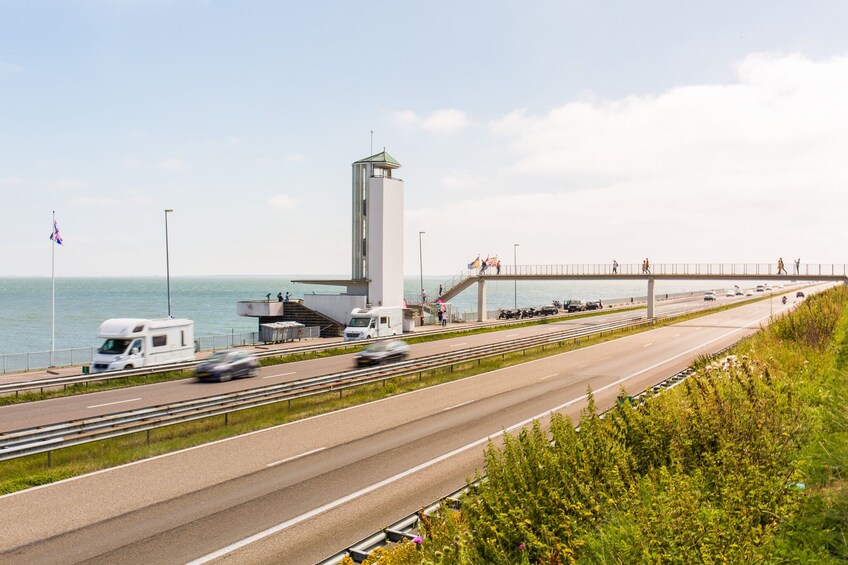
(131, 343)
(376, 322)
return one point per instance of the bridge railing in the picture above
(724, 269)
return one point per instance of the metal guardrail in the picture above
(407, 527)
(41, 439)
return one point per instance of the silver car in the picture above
(382, 352)
(223, 366)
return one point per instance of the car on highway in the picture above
(594, 305)
(710, 295)
(575, 306)
(749, 292)
(225, 365)
(730, 293)
(740, 292)
(761, 288)
(382, 352)
(799, 294)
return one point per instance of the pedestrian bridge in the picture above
(635, 271)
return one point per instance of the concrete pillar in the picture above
(481, 300)
(650, 298)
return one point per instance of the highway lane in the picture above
(320, 484)
(94, 404)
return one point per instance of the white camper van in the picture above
(131, 343)
(376, 322)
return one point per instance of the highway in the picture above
(46, 412)
(299, 492)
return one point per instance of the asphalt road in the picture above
(302, 491)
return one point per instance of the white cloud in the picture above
(462, 180)
(172, 164)
(439, 121)
(282, 202)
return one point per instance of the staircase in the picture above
(458, 283)
(294, 311)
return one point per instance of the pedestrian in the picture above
(483, 266)
(440, 290)
(798, 266)
(498, 265)
(423, 296)
(444, 318)
(647, 266)
(440, 317)
(614, 267)
(279, 297)
(288, 296)
(780, 267)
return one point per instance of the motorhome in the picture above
(131, 343)
(376, 322)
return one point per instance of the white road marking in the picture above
(457, 405)
(280, 375)
(552, 376)
(458, 345)
(111, 403)
(676, 335)
(378, 485)
(286, 460)
(648, 344)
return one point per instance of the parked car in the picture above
(710, 295)
(749, 292)
(761, 288)
(222, 366)
(382, 352)
(575, 306)
(596, 305)
(740, 292)
(730, 293)
(799, 294)
(547, 310)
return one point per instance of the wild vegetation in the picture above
(746, 461)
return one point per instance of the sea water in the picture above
(81, 304)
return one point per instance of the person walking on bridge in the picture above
(798, 266)
(614, 267)
(780, 267)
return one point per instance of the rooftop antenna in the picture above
(372, 142)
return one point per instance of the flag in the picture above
(54, 236)
(404, 303)
(475, 263)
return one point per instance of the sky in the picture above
(708, 132)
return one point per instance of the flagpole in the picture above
(53, 293)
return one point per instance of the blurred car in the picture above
(799, 294)
(225, 365)
(730, 292)
(749, 292)
(382, 352)
(740, 292)
(710, 295)
(761, 288)
(596, 305)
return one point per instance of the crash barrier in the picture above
(44, 439)
(407, 527)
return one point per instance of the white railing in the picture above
(699, 269)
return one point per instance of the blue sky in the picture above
(585, 131)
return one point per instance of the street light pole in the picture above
(421, 269)
(515, 263)
(167, 262)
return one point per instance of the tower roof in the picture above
(381, 157)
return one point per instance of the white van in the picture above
(131, 343)
(376, 322)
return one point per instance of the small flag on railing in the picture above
(54, 236)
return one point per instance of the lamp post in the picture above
(167, 262)
(515, 263)
(421, 272)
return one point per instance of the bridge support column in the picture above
(650, 298)
(481, 300)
